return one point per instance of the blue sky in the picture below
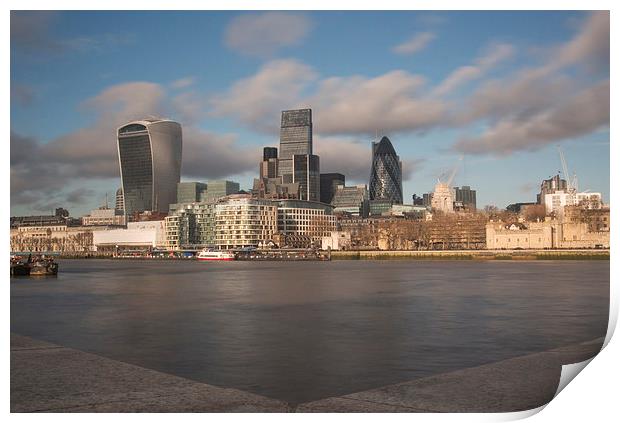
(501, 89)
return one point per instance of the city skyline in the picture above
(403, 86)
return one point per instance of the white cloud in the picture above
(494, 55)
(188, 81)
(257, 100)
(394, 101)
(414, 44)
(262, 34)
(583, 113)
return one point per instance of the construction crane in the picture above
(571, 184)
(452, 174)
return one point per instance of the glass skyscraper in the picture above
(149, 153)
(295, 138)
(306, 173)
(386, 174)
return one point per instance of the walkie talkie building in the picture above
(386, 174)
(149, 154)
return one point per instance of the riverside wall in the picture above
(586, 254)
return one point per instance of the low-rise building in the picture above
(104, 216)
(352, 200)
(510, 236)
(137, 237)
(337, 240)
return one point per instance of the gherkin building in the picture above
(386, 174)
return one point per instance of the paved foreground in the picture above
(52, 378)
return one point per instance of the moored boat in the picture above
(212, 255)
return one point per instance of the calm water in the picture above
(304, 331)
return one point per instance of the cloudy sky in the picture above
(502, 90)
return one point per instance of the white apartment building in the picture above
(242, 222)
(307, 218)
(556, 201)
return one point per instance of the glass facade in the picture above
(219, 189)
(386, 176)
(329, 183)
(352, 200)
(149, 153)
(295, 139)
(190, 192)
(306, 173)
(136, 172)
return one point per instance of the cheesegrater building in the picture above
(149, 154)
(386, 174)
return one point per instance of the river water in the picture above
(301, 331)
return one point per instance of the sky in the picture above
(493, 95)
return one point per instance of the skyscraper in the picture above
(329, 182)
(386, 174)
(149, 154)
(306, 173)
(467, 196)
(296, 163)
(295, 138)
(269, 166)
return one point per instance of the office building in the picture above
(295, 139)
(466, 196)
(549, 186)
(427, 199)
(149, 153)
(306, 173)
(219, 189)
(104, 216)
(329, 183)
(268, 168)
(351, 200)
(386, 175)
(304, 219)
(119, 204)
(190, 192)
(379, 207)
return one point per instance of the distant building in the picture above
(337, 240)
(386, 175)
(443, 198)
(549, 186)
(60, 217)
(417, 201)
(190, 192)
(119, 203)
(295, 139)
(306, 173)
(307, 221)
(379, 207)
(219, 189)
(104, 216)
(329, 183)
(351, 200)
(518, 207)
(555, 202)
(427, 199)
(149, 153)
(138, 237)
(466, 196)
(269, 166)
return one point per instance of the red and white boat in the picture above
(210, 255)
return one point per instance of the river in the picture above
(301, 331)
